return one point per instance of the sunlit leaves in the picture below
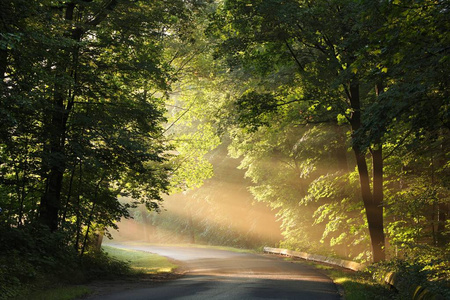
(83, 98)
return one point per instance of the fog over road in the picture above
(219, 274)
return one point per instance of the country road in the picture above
(219, 274)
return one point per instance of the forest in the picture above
(334, 115)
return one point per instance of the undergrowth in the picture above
(432, 274)
(356, 285)
(32, 259)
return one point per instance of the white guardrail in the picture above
(319, 258)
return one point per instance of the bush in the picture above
(98, 264)
(430, 270)
(31, 256)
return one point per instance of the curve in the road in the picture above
(219, 274)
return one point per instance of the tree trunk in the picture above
(374, 212)
(377, 234)
(100, 234)
(51, 200)
(377, 169)
(77, 210)
(56, 162)
(91, 214)
(69, 194)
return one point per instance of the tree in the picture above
(322, 39)
(83, 88)
(334, 52)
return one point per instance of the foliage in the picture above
(425, 266)
(61, 293)
(82, 106)
(109, 99)
(34, 257)
(358, 285)
(317, 62)
(83, 86)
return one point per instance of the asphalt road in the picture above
(219, 274)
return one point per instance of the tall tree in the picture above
(83, 87)
(334, 51)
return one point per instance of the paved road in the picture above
(218, 274)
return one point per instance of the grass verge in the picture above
(355, 285)
(225, 248)
(140, 261)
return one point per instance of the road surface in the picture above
(219, 274)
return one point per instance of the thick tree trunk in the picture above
(377, 169)
(56, 161)
(99, 234)
(51, 200)
(377, 234)
(374, 211)
(55, 165)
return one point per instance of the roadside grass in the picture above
(355, 285)
(225, 248)
(140, 261)
(360, 286)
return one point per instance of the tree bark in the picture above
(91, 214)
(377, 234)
(51, 199)
(69, 194)
(374, 212)
(77, 209)
(377, 169)
(99, 234)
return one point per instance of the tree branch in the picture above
(399, 144)
(294, 56)
(182, 115)
(102, 13)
